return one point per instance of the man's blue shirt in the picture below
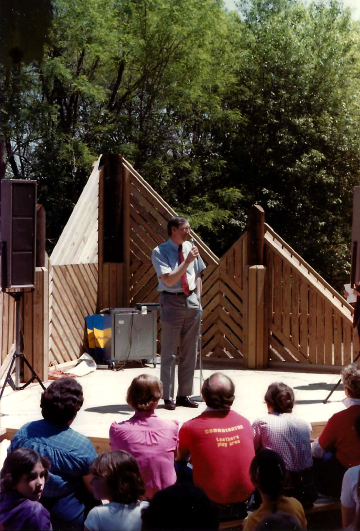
(166, 258)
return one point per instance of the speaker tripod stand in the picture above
(18, 356)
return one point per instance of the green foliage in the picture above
(216, 110)
(118, 77)
(298, 153)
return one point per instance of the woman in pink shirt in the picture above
(151, 440)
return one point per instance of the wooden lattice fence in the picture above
(278, 311)
(309, 322)
(271, 309)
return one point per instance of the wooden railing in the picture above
(308, 321)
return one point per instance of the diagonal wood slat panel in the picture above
(72, 298)
(309, 322)
(144, 218)
(142, 231)
(138, 275)
(137, 247)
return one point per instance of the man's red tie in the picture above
(184, 280)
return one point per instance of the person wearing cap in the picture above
(178, 266)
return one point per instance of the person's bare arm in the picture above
(198, 285)
(170, 279)
(347, 516)
(183, 454)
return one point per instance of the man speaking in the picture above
(178, 266)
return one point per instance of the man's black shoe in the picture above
(186, 401)
(169, 404)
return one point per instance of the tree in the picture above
(217, 110)
(118, 76)
(296, 150)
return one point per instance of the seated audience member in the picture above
(350, 503)
(279, 522)
(180, 508)
(22, 481)
(339, 438)
(289, 436)
(116, 478)
(220, 444)
(151, 440)
(70, 454)
(268, 474)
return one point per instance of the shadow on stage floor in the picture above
(122, 409)
(319, 386)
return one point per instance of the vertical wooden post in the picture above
(100, 294)
(35, 316)
(255, 329)
(126, 237)
(114, 226)
(255, 312)
(40, 236)
(28, 328)
(255, 235)
(41, 323)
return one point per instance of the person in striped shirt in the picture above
(289, 436)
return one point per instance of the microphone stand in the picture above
(199, 398)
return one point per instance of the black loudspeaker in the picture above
(18, 233)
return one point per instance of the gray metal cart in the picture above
(133, 333)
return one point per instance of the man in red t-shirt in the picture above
(220, 444)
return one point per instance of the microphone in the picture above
(192, 241)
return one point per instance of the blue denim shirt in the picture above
(69, 452)
(166, 258)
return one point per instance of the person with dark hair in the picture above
(289, 436)
(268, 475)
(180, 508)
(220, 444)
(22, 481)
(279, 522)
(178, 266)
(116, 477)
(151, 440)
(338, 448)
(67, 493)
